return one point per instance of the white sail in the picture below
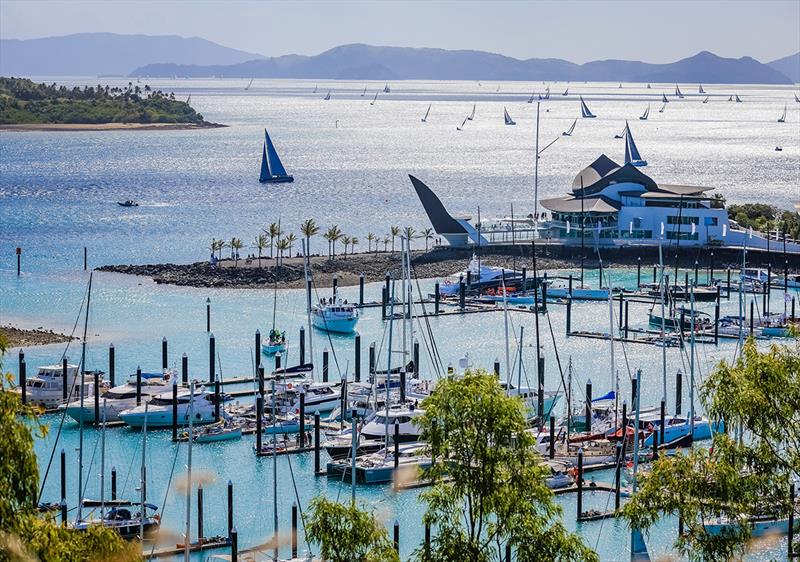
(664, 98)
(327, 96)
(678, 91)
(796, 98)
(700, 90)
(782, 118)
(530, 99)
(646, 113)
(663, 107)
(250, 84)
(425, 119)
(566, 92)
(464, 122)
(568, 132)
(374, 99)
(472, 115)
(585, 110)
(315, 89)
(364, 93)
(738, 99)
(386, 88)
(705, 100)
(507, 118)
(632, 155)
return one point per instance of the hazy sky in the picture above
(573, 30)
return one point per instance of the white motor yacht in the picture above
(334, 315)
(159, 409)
(46, 389)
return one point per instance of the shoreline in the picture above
(436, 263)
(21, 337)
(17, 127)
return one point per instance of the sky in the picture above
(578, 30)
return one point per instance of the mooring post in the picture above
(113, 483)
(208, 315)
(230, 508)
(654, 274)
(415, 356)
(111, 365)
(85, 258)
(278, 361)
(469, 278)
(200, 513)
(63, 476)
(617, 471)
(303, 417)
(294, 515)
(22, 377)
(325, 365)
(384, 300)
(217, 399)
(580, 483)
(397, 536)
(462, 295)
(508, 552)
(259, 421)
(138, 386)
(552, 436)
(729, 284)
(185, 369)
(64, 383)
(436, 297)
(626, 318)
(634, 403)
(711, 270)
(357, 359)
(589, 406)
(175, 410)
(678, 392)
(361, 290)
(212, 351)
(752, 314)
(621, 314)
(497, 368)
(569, 312)
(234, 545)
(696, 270)
(302, 345)
(372, 358)
(663, 419)
(427, 547)
(316, 443)
(403, 376)
(164, 356)
(258, 347)
(19, 260)
(638, 271)
(63, 513)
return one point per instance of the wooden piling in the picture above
(325, 365)
(634, 404)
(588, 412)
(361, 289)
(569, 311)
(200, 513)
(212, 352)
(113, 483)
(462, 294)
(626, 318)
(85, 258)
(729, 284)
(654, 273)
(230, 508)
(357, 358)
(258, 347)
(302, 345)
(372, 358)
(655, 445)
(22, 377)
(19, 260)
(111, 365)
(790, 546)
(497, 367)
(294, 510)
(217, 399)
(63, 475)
(638, 271)
(316, 443)
(580, 483)
(397, 536)
(663, 418)
(303, 419)
(259, 421)
(678, 392)
(384, 301)
(138, 386)
(415, 356)
(185, 370)
(436, 297)
(752, 314)
(208, 315)
(234, 545)
(164, 356)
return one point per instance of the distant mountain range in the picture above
(97, 54)
(365, 62)
(93, 54)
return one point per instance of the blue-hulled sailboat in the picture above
(585, 110)
(632, 155)
(272, 170)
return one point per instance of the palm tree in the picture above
(346, 241)
(408, 233)
(221, 245)
(332, 235)
(385, 243)
(309, 228)
(260, 244)
(370, 238)
(273, 231)
(213, 247)
(427, 234)
(353, 244)
(281, 245)
(394, 232)
(236, 245)
(291, 238)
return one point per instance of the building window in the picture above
(674, 219)
(683, 236)
(711, 221)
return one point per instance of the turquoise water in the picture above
(58, 194)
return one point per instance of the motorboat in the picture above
(478, 276)
(374, 428)
(577, 293)
(319, 396)
(676, 427)
(681, 319)
(379, 467)
(159, 409)
(46, 389)
(334, 315)
(128, 203)
(120, 398)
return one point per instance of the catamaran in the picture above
(464, 122)
(782, 118)
(327, 96)
(664, 98)
(386, 88)
(700, 90)
(632, 155)
(585, 110)
(374, 99)
(272, 170)
(507, 118)
(645, 114)
(472, 115)
(425, 119)
(568, 132)
(250, 84)
(678, 92)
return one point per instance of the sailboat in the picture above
(327, 96)
(507, 118)
(730, 98)
(315, 89)
(705, 100)
(530, 99)
(678, 92)
(664, 98)
(566, 92)
(620, 85)
(471, 115)
(585, 110)
(189, 99)
(738, 99)
(425, 119)
(663, 107)
(700, 90)
(386, 88)
(568, 132)
(632, 155)
(464, 122)
(782, 118)
(621, 135)
(374, 99)
(250, 84)
(272, 170)
(648, 86)
(645, 114)
(546, 95)
(796, 98)
(364, 93)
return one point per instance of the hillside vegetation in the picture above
(24, 102)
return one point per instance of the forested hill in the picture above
(24, 102)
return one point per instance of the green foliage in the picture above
(345, 533)
(23, 101)
(24, 535)
(735, 479)
(490, 485)
(763, 217)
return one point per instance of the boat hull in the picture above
(163, 418)
(337, 325)
(222, 436)
(277, 179)
(267, 349)
(578, 294)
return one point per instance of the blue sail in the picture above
(274, 162)
(265, 175)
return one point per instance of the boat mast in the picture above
(388, 375)
(82, 369)
(662, 288)
(411, 338)
(143, 477)
(275, 468)
(691, 369)
(536, 186)
(188, 524)
(307, 277)
(583, 223)
(614, 378)
(505, 333)
(103, 464)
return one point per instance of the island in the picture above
(26, 105)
